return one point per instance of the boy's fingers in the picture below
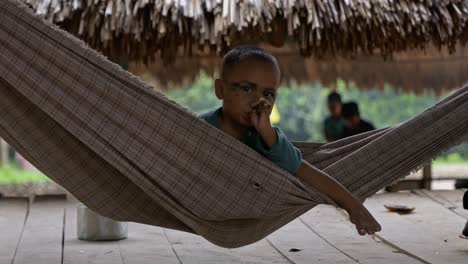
(254, 105)
(266, 109)
(263, 109)
(261, 102)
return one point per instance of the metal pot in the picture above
(93, 227)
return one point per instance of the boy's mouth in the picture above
(246, 117)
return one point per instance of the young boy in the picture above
(334, 124)
(248, 86)
(354, 124)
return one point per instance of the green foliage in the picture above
(452, 158)
(12, 174)
(197, 98)
(303, 107)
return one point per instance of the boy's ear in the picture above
(219, 90)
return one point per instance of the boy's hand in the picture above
(260, 115)
(260, 119)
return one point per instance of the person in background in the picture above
(352, 119)
(333, 125)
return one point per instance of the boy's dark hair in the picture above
(334, 97)
(350, 109)
(243, 53)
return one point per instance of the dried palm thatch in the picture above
(409, 71)
(414, 71)
(141, 29)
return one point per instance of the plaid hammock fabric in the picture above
(131, 154)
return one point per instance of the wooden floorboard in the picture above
(429, 233)
(41, 242)
(322, 235)
(146, 245)
(195, 249)
(452, 200)
(12, 217)
(82, 252)
(333, 226)
(313, 249)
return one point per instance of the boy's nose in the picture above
(254, 98)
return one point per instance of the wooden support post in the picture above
(424, 183)
(3, 152)
(427, 176)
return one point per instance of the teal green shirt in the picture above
(334, 127)
(282, 153)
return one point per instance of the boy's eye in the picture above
(269, 94)
(246, 88)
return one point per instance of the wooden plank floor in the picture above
(45, 232)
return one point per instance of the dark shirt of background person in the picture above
(333, 125)
(353, 123)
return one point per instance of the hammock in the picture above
(131, 154)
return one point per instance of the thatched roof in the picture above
(416, 71)
(142, 29)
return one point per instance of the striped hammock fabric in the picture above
(131, 154)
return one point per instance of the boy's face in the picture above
(334, 107)
(352, 121)
(248, 85)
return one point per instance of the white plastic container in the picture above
(94, 227)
